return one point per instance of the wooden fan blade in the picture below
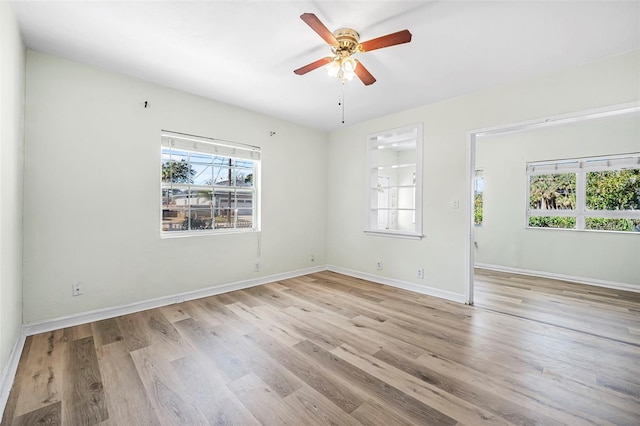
(400, 37)
(313, 65)
(363, 74)
(312, 20)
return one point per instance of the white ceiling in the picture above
(244, 52)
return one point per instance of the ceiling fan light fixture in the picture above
(334, 68)
(348, 65)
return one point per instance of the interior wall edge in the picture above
(9, 372)
(405, 285)
(542, 274)
(44, 326)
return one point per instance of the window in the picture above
(478, 189)
(600, 193)
(208, 185)
(395, 182)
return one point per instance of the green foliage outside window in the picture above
(477, 209)
(553, 191)
(177, 172)
(605, 191)
(603, 224)
(613, 190)
(552, 222)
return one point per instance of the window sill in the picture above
(177, 234)
(605, 231)
(394, 234)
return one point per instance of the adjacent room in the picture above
(326, 212)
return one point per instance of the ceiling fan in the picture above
(344, 43)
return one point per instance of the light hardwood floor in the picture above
(330, 349)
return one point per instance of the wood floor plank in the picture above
(106, 331)
(273, 373)
(329, 349)
(282, 332)
(262, 402)
(42, 382)
(162, 333)
(323, 380)
(209, 391)
(230, 365)
(49, 415)
(311, 407)
(85, 402)
(430, 395)
(119, 372)
(19, 381)
(164, 389)
(418, 411)
(134, 331)
(373, 413)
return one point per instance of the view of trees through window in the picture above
(607, 198)
(206, 191)
(478, 189)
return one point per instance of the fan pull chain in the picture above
(341, 99)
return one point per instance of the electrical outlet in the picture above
(76, 289)
(420, 273)
(455, 204)
(256, 267)
(379, 265)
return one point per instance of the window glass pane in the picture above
(177, 171)
(552, 222)
(174, 220)
(172, 197)
(602, 224)
(613, 190)
(222, 172)
(244, 173)
(405, 198)
(202, 168)
(200, 219)
(174, 155)
(553, 191)
(478, 189)
(201, 198)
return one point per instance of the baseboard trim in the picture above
(429, 291)
(112, 312)
(37, 327)
(9, 372)
(581, 280)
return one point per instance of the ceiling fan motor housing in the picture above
(348, 41)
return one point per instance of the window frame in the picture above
(388, 138)
(580, 167)
(217, 148)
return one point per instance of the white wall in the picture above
(92, 194)
(503, 239)
(446, 174)
(12, 62)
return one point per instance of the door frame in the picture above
(522, 126)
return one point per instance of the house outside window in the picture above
(394, 189)
(208, 186)
(596, 193)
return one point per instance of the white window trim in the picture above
(399, 139)
(581, 166)
(192, 143)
